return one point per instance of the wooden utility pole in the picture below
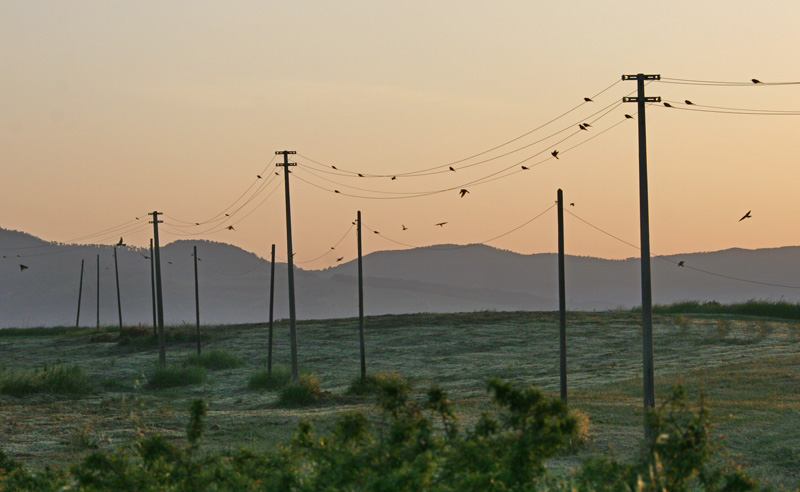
(648, 375)
(361, 305)
(290, 261)
(562, 300)
(196, 299)
(98, 293)
(162, 351)
(271, 308)
(119, 303)
(153, 288)
(80, 294)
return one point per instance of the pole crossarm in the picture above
(644, 77)
(647, 99)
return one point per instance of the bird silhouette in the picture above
(360, 175)
(120, 243)
(276, 173)
(340, 259)
(22, 267)
(688, 102)
(572, 204)
(197, 223)
(588, 99)
(463, 192)
(667, 105)
(169, 263)
(681, 263)
(230, 228)
(746, 216)
(376, 232)
(336, 191)
(227, 215)
(582, 126)
(440, 224)
(587, 125)
(451, 168)
(554, 154)
(404, 227)
(394, 177)
(258, 176)
(629, 117)
(334, 167)
(755, 81)
(524, 168)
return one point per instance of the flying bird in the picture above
(340, 259)
(746, 216)
(451, 168)
(440, 224)
(22, 267)
(404, 227)
(524, 168)
(120, 243)
(230, 228)
(755, 81)
(627, 116)
(588, 99)
(554, 154)
(681, 263)
(463, 192)
(667, 105)
(689, 103)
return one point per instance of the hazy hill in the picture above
(234, 284)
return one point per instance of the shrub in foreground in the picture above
(58, 379)
(304, 391)
(173, 376)
(371, 385)
(214, 359)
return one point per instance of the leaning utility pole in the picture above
(80, 294)
(162, 352)
(290, 261)
(361, 305)
(119, 303)
(197, 299)
(271, 308)
(648, 376)
(562, 300)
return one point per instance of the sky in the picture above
(112, 110)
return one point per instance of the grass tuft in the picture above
(766, 309)
(214, 360)
(175, 375)
(304, 391)
(263, 380)
(60, 380)
(371, 385)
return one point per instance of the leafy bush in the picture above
(372, 383)
(264, 380)
(58, 379)
(175, 375)
(214, 360)
(301, 392)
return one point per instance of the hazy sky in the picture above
(110, 110)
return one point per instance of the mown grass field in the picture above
(748, 367)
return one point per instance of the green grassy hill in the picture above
(749, 369)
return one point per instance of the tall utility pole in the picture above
(361, 305)
(562, 300)
(162, 351)
(290, 261)
(271, 308)
(196, 299)
(80, 294)
(153, 288)
(98, 292)
(648, 376)
(119, 304)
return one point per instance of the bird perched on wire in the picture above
(394, 177)
(755, 81)
(524, 168)
(463, 192)
(582, 127)
(667, 105)
(451, 168)
(628, 117)
(588, 99)
(230, 228)
(440, 224)
(688, 102)
(376, 232)
(554, 154)
(120, 243)
(746, 216)
(340, 259)
(360, 175)
(258, 176)
(22, 267)
(334, 167)
(681, 263)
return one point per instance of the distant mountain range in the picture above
(234, 284)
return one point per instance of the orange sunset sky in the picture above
(110, 110)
